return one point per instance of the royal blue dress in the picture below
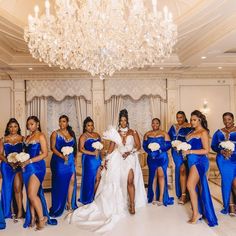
(205, 205)
(2, 219)
(90, 165)
(227, 167)
(61, 176)
(38, 169)
(8, 175)
(177, 156)
(155, 160)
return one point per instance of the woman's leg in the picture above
(232, 198)
(161, 182)
(97, 181)
(18, 185)
(131, 191)
(70, 192)
(183, 183)
(192, 182)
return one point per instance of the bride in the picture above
(121, 188)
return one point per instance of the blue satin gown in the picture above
(205, 205)
(8, 175)
(155, 160)
(38, 169)
(2, 219)
(90, 165)
(61, 176)
(227, 167)
(177, 156)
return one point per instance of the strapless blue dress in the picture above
(177, 156)
(205, 205)
(90, 165)
(61, 176)
(38, 169)
(155, 160)
(8, 175)
(227, 167)
(2, 219)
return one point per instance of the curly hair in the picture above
(202, 118)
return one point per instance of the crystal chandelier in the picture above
(101, 36)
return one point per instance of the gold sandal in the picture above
(131, 209)
(41, 223)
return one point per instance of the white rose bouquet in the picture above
(97, 146)
(183, 146)
(66, 151)
(175, 143)
(228, 146)
(22, 157)
(154, 146)
(11, 158)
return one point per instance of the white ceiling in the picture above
(206, 28)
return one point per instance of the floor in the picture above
(148, 221)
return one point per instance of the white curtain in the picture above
(83, 109)
(38, 107)
(113, 106)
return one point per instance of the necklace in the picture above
(123, 131)
(230, 129)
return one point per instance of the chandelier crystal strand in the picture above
(101, 36)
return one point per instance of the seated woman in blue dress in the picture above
(178, 132)
(91, 162)
(226, 161)
(157, 163)
(64, 184)
(12, 183)
(198, 164)
(33, 172)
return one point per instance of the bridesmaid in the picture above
(34, 171)
(178, 132)
(91, 162)
(63, 169)
(12, 183)
(198, 165)
(157, 164)
(226, 162)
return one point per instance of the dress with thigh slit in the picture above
(201, 162)
(155, 160)
(38, 169)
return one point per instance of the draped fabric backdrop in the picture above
(50, 99)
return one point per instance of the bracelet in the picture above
(191, 152)
(31, 161)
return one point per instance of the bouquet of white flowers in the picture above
(11, 158)
(22, 157)
(183, 146)
(228, 146)
(66, 151)
(154, 146)
(175, 143)
(97, 145)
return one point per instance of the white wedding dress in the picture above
(111, 200)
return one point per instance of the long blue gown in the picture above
(61, 176)
(177, 156)
(155, 160)
(38, 169)
(227, 167)
(2, 220)
(8, 175)
(205, 205)
(90, 165)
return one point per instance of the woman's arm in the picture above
(82, 140)
(2, 157)
(137, 140)
(53, 146)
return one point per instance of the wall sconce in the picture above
(205, 109)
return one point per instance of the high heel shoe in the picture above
(182, 200)
(191, 221)
(32, 223)
(159, 203)
(41, 223)
(232, 210)
(131, 209)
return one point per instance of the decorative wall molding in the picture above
(135, 88)
(58, 89)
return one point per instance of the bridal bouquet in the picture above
(183, 146)
(228, 146)
(22, 157)
(175, 143)
(66, 151)
(11, 158)
(154, 146)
